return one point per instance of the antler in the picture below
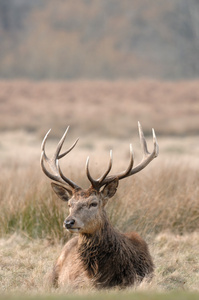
(53, 162)
(58, 176)
(147, 158)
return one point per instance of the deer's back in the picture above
(136, 240)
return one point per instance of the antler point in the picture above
(44, 140)
(66, 131)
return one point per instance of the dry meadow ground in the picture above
(161, 202)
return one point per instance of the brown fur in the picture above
(113, 259)
(100, 256)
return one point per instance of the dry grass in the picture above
(102, 108)
(162, 205)
(25, 264)
(161, 202)
(177, 262)
(153, 201)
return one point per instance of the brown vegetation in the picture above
(105, 109)
(25, 264)
(164, 198)
(161, 202)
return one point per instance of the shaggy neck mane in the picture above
(110, 258)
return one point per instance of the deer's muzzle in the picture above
(68, 224)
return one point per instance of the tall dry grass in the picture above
(152, 202)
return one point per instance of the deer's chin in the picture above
(73, 230)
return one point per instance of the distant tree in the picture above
(5, 8)
(13, 13)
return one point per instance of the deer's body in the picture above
(99, 256)
(107, 259)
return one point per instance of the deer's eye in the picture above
(93, 204)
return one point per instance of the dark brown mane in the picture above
(112, 259)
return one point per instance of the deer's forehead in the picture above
(84, 197)
(85, 194)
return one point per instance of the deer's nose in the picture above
(69, 223)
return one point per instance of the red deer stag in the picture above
(99, 256)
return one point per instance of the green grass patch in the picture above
(114, 296)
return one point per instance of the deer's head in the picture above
(87, 206)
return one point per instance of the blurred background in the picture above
(109, 39)
(99, 66)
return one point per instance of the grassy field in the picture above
(161, 202)
(116, 296)
(102, 109)
(26, 263)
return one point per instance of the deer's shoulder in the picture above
(69, 247)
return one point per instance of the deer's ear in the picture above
(62, 192)
(109, 190)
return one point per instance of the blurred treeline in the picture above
(48, 39)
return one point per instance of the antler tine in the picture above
(155, 144)
(98, 182)
(54, 177)
(48, 174)
(142, 140)
(53, 162)
(90, 178)
(43, 146)
(59, 146)
(69, 181)
(147, 158)
(128, 170)
(71, 148)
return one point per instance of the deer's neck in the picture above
(106, 256)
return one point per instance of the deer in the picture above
(99, 255)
